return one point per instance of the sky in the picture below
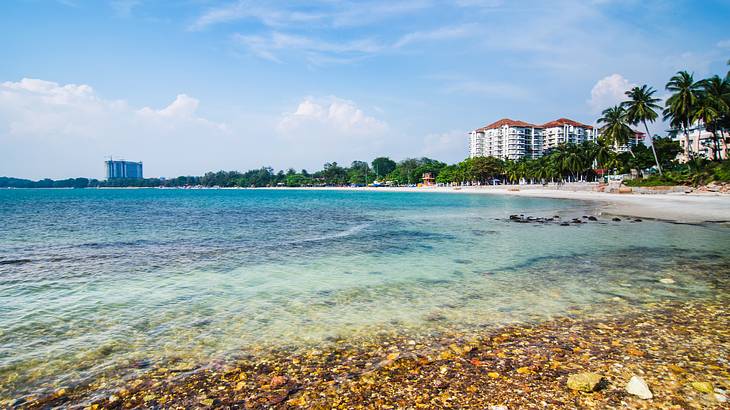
(192, 86)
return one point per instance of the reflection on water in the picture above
(99, 281)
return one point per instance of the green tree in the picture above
(383, 166)
(640, 108)
(334, 174)
(681, 105)
(714, 108)
(615, 129)
(483, 169)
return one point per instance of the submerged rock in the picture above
(667, 281)
(616, 219)
(592, 218)
(702, 387)
(638, 387)
(585, 382)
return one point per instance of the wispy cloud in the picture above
(441, 33)
(268, 15)
(319, 51)
(268, 46)
(278, 14)
(124, 8)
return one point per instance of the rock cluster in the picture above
(578, 361)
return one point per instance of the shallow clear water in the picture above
(99, 281)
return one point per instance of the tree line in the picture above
(568, 162)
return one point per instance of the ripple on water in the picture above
(148, 278)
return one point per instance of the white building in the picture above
(701, 142)
(563, 130)
(637, 139)
(506, 139)
(511, 139)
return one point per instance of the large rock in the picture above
(702, 387)
(638, 387)
(585, 382)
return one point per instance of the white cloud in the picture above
(724, 43)
(443, 33)
(267, 47)
(123, 8)
(71, 123)
(57, 130)
(318, 52)
(270, 16)
(279, 14)
(479, 3)
(608, 92)
(331, 116)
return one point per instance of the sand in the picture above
(679, 207)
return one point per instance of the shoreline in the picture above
(672, 345)
(679, 207)
(694, 208)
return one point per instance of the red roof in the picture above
(509, 122)
(564, 121)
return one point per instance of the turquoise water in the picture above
(99, 282)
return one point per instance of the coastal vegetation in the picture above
(569, 162)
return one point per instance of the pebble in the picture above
(667, 281)
(703, 387)
(638, 387)
(585, 382)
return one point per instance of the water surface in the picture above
(99, 282)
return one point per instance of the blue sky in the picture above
(199, 85)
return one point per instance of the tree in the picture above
(615, 127)
(680, 106)
(640, 108)
(334, 174)
(383, 166)
(483, 169)
(713, 107)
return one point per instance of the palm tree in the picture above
(511, 171)
(603, 153)
(641, 107)
(615, 129)
(682, 103)
(713, 106)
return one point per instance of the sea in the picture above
(112, 282)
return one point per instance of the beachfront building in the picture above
(637, 139)
(563, 130)
(701, 142)
(511, 139)
(120, 169)
(506, 139)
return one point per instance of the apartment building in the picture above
(701, 142)
(506, 139)
(563, 130)
(512, 139)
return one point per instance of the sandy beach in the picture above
(675, 206)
